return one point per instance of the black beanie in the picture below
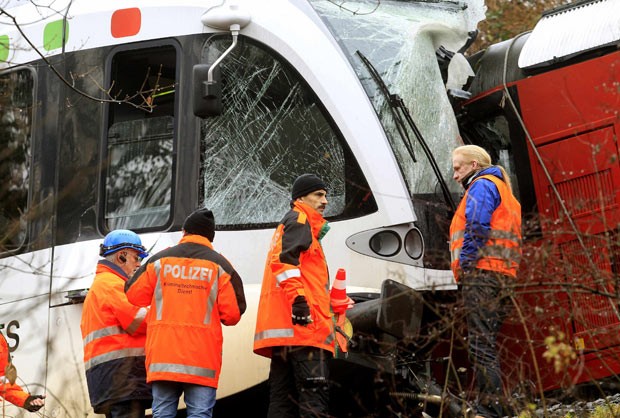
(306, 183)
(201, 222)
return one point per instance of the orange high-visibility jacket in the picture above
(11, 392)
(501, 252)
(192, 290)
(114, 333)
(295, 266)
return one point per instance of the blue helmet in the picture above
(119, 239)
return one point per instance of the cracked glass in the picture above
(272, 129)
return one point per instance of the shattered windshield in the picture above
(273, 128)
(400, 38)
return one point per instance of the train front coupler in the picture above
(393, 336)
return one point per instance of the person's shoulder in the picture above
(172, 251)
(107, 282)
(484, 179)
(103, 278)
(492, 171)
(294, 217)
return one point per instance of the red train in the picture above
(546, 106)
(546, 103)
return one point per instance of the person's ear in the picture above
(122, 258)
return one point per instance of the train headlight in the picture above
(414, 244)
(385, 243)
(402, 243)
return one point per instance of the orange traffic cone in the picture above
(338, 295)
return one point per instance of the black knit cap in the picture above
(201, 222)
(305, 184)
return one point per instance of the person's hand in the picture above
(34, 403)
(301, 311)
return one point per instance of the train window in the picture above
(16, 100)
(494, 135)
(140, 138)
(272, 129)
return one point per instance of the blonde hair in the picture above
(481, 156)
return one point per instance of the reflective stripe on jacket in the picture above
(501, 251)
(113, 335)
(192, 290)
(295, 266)
(10, 391)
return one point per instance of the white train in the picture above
(99, 130)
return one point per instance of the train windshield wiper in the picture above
(403, 120)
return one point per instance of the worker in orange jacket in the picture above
(192, 290)
(294, 325)
(114, 332)
(485, 240)
(11, 391)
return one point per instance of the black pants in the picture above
(298, 382)
(486, 306)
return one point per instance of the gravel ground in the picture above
(578, 409)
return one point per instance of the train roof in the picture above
(571, 30)
(563, 36)
(30, 30)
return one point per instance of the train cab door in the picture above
(129, 152)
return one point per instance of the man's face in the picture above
(462, 168)
(316, 200)
(131, 263)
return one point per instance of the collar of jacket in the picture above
(318, 224)
(106, 265)
(491, 170)
(196, 239)
(467, 181)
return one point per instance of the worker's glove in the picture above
(28, 404)
(301, 311)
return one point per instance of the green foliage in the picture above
(606, 411)
(602, 411)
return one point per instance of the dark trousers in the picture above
(298, 382)
(486, 306)
(127, 409)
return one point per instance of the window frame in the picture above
(102, 220)
(26, 228)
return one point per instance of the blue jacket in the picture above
(483, 199)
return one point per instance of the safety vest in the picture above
(502, 251)
(112, 328)
(114, 334)
(9, 391)
(192, 291)
(295, 266)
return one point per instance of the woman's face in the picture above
(462, 167)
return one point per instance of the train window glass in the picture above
(140, 138)
(494, 136)
(16, 101)
(273, 128)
